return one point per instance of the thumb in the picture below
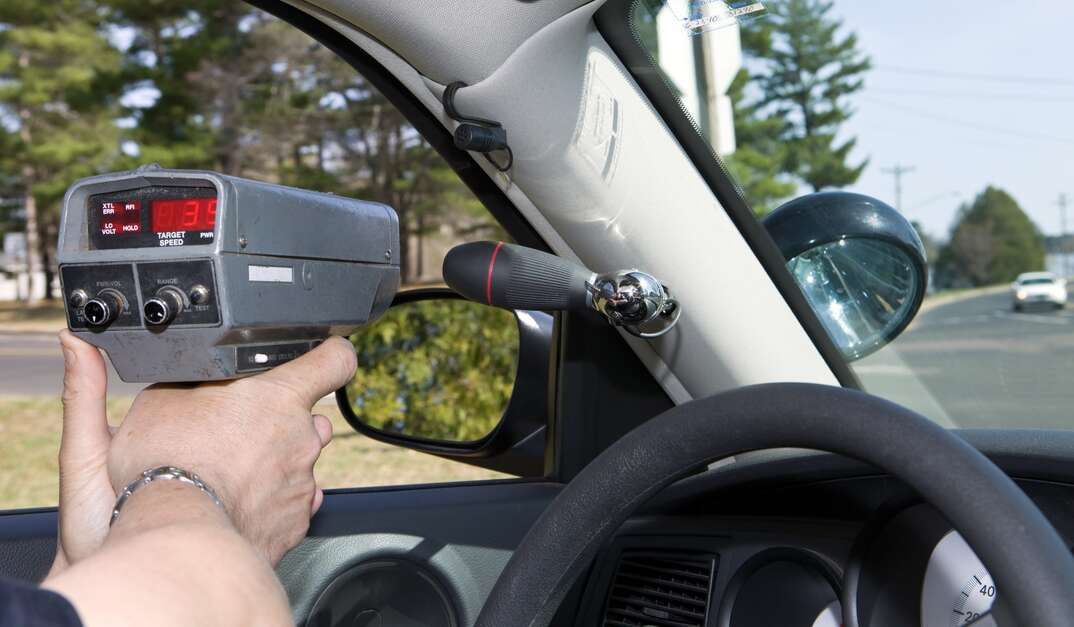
(85, 387)
(319, 372)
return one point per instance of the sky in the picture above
(968, 94)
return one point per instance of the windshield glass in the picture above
(958, 118)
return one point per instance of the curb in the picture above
(942, 299)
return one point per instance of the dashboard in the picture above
(792, 543)
(780, 539)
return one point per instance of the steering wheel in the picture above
(1030, 563)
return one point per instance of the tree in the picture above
(56, 72)
(993, 241)
(244, 93)
(237, 91)
(439, 369)
(929, 243)
(757, 163)
(197, 54)
(320, 124)
(807, 68)
(11, 219)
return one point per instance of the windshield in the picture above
(959, 119)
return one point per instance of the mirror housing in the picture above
(860, 263)
(516, 445)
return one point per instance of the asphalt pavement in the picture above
(32, 364)
(978, 363)
(968, 363)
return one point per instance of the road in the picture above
(32, 364)
(977, 363)
(970, 363)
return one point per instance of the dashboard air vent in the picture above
(660, 590)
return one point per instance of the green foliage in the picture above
(56, 73)
(193, 53)
(56, 109)
(757, 163)
(243, 93)
(993, 241)
(437, 369)
(806, 69)
(10, 205)
(931, 247)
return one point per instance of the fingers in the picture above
(319, 372)
(324, 428)
(85, 388)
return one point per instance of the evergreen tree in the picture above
(757, 163)
(807, 69)
(993, 241)
(57, 72)
(196, 54)
(239, 92)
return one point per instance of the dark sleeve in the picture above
(26, 605)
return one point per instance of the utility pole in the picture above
(897, 171)
(1062, 202)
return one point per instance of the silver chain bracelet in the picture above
(161, 473)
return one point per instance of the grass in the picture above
(46, 317)
(30, 433)
(30, 436)
(944, 297)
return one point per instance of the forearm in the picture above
(173, 558)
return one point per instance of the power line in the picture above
(932, 199)
(969, 76)
(1024, 98)
(979, 127)
(962, 139)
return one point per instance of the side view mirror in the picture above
(859, 262)
(454, 378)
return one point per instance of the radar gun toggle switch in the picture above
(515, 277)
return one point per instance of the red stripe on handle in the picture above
(492, 264)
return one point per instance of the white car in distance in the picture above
(1043, 288)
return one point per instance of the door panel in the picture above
(459, 535)
(27, 543)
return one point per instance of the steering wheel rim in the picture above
(1029, 562)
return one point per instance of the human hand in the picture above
(252, 440)
(86, 494)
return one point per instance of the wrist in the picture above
(158, 474)
(162, 503)
(130, 471)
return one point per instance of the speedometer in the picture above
(957, 589)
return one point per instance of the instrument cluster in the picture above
(907, 567)
(911, 568)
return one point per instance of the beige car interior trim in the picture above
(603, 181)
